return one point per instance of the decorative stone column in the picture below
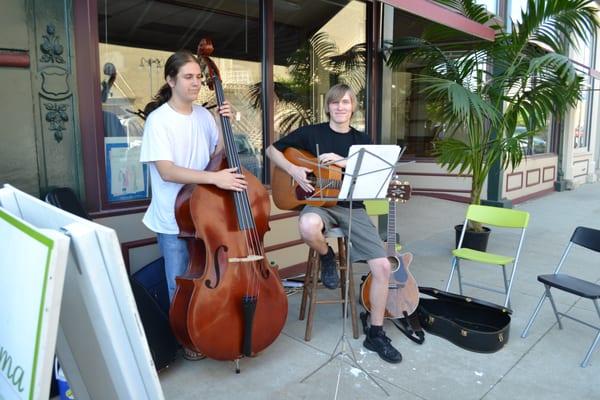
(53, 91)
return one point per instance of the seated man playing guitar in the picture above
(331, 141)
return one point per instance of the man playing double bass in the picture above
(332, 141)
(179, 139)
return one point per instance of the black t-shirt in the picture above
(328, 141)
(321, 135)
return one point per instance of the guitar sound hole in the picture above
(401, 276)
(302, 194)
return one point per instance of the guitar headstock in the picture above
(398, 190)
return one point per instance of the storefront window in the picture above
(136, 38)
(582, 117)
(539, 143)
(407, 119)
(314, 49)
(516, 7)
(490, 5)
(584, 54)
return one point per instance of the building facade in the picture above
(76, 74)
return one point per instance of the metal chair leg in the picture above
(534, 315)
(454, 261)
(459, 276)
(506, 287)
(588, 355)
(553, 306)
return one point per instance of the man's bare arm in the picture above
(227, 179)
(297, 172)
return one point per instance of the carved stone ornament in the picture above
(51, 49)
(56, 117)
(55, 83)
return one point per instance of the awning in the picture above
(441, 15)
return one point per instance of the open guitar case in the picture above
(470, 323)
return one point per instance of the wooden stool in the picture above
(309, 292)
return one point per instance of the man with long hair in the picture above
(179, 139)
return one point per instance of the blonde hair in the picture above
(336, 92)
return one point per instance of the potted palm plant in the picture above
(478, 92)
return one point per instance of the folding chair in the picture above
(377, 208)
(494, 216)
(590, 239)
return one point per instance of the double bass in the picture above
(230, 302)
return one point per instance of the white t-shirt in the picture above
(187, 141)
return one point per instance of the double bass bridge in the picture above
(249, 258)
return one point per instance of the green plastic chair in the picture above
(377, 207)
(493, 216)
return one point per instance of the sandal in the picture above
(192, 355)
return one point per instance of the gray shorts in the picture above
(366, 243)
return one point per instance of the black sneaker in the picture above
(382, 345)
(329, 275)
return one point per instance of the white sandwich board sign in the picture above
(100, 343)
(32, 271)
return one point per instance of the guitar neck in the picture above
(328, 183)
(391, 229)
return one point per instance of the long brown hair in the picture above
(172, 66)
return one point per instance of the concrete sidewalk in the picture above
(543, 366)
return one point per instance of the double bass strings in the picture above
(241, 200)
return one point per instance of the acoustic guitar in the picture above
(326, 179)
(403, 295)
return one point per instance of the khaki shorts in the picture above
(366, 243)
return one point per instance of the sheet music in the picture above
(376, 170)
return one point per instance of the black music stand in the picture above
(369, 169)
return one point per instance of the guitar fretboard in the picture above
(328, 183)
(391, 229)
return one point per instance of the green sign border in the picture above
(49, 243)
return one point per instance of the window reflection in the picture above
(539, 142)
(408, 119)
(136, 37)
(516, 8)
(584, 53)
(315, 49)
(127, 83)
(490, 5)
